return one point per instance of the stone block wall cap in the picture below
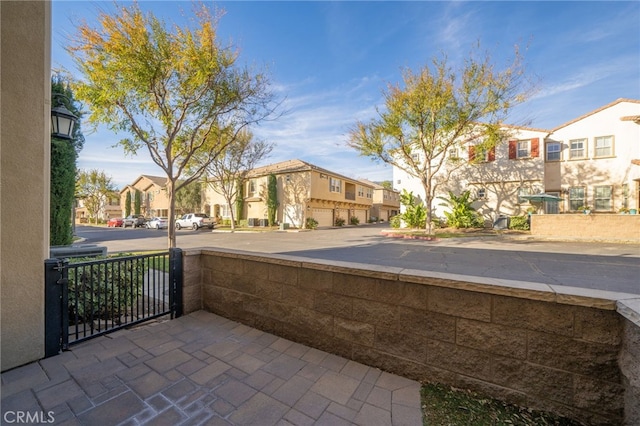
(588, 297)
(352, 268)
(502, 287)
(630, 309)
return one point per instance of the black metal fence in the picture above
(88, 298)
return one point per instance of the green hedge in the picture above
(519, 223)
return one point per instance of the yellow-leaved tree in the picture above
(174, 90)
(437, 111)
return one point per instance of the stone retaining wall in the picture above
(558, 349)
(605, 227)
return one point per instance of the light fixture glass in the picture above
(62, 122)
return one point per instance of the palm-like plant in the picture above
(461, 214)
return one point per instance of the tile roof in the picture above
(292, 166)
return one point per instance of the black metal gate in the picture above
(88, 298)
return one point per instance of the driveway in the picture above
(603, 266)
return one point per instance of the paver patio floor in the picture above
(202, 369)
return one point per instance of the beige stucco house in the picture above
(304, 190)
(155, 201)
(110, 207)
(386, 202)
(589, 161)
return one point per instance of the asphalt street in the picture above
(594, 265)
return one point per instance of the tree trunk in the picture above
(233, 218)
(428, 200)
(171, 226)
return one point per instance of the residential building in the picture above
(590, 161)
(109, 207)
(593, 160)
(386, 202)
(154, 199)
(304, 190)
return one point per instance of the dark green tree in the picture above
(137, 202)
(63, 169)
(127, 204)
(63, 175)
(272, 199)
(189, 198)
(240, 200)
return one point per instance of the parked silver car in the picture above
(158, 223)
(133, 220)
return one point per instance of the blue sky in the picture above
(330, 61)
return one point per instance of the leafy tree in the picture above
(439, 109)
(189, 198)
(414, 214)
(272, 199)
(175, 90)
(387, 184)
(461, 214)
(63, 169)
(127, 204)
(95, 188)
(229, 170)
(137, 202)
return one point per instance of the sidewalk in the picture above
(202, 369)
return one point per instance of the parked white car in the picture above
(158, 223)
(195, 221)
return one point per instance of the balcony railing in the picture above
(350, 196)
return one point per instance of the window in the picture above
(576, 198)
(551, 207)
(625, 195)
(453, 154)
(553, 151)
(478, 154)
(602, 197)
(523, 149)
(335, 185)
(360, 191)
(603, 146)
(252, 188)
(522, 191)
(578, 148)
(415, 157)
(225, 211)
(369, 193)
(481, 194)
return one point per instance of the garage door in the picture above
(323, 216)
(361, 215)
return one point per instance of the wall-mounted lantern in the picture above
(62, 120)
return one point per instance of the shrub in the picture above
(311, 223)
(339, 221)
(241, 223)
(415, 214)
(462, 214)
(354, 220)
(395, 221)
(519, 222)
(99, 290)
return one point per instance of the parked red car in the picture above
(115, 222)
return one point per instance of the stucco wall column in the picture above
(24, 176)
